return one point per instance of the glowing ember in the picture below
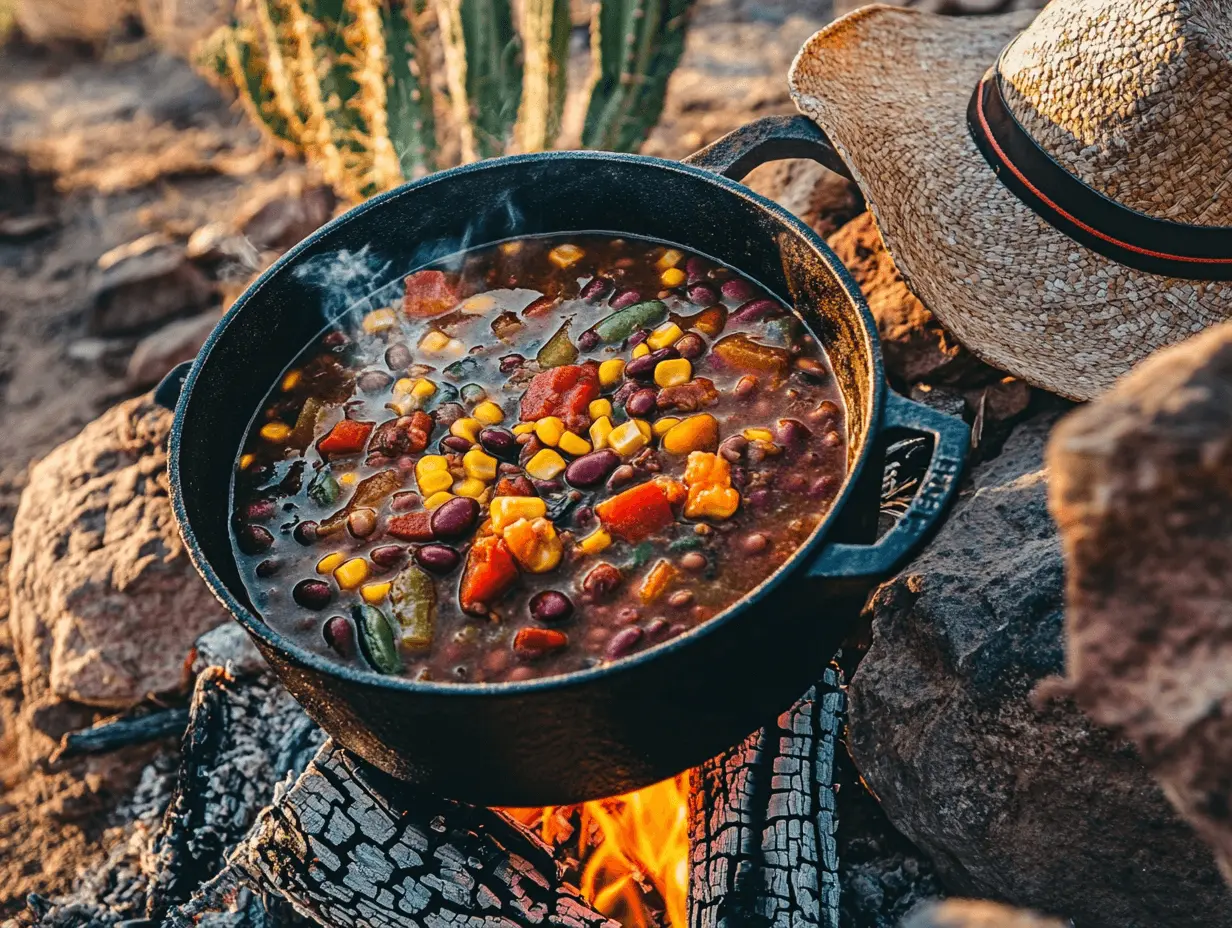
(631, 848)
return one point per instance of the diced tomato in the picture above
(637, 513)
(564, 391)
(347, 437)
(490, 571)
(428, 294)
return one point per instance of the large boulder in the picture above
(105, 605)
(1024, 801)
(1142, 490)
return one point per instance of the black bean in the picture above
(691, 346)
(455, 517)
(622, 298)
(439, 559)
(269, 567)
(700, 294)
(340, 636)
(498, 442)
(306, 532)
(387, 556)
(791, 432)
(373, 381)
(622, 643)
(737, 289)
(593, 468)
(550, 607)
(253, 539)
(312, 594)
(596, 289)
(642, 403)
(397, 358)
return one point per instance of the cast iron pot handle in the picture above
(768, 139)
(951, 437)
(167, 393)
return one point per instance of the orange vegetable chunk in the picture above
(347, 437)
(657, 581)
(638, 512)
(490, 571)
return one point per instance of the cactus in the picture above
(379, 91)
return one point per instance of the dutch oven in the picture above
(632, 722)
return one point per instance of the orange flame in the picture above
(626, 843)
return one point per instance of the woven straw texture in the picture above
(891, 86)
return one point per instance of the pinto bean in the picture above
(623, 643)
(398, 357)
(602, 580)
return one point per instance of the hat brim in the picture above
(890, 87)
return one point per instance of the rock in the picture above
(50, 21)
(27, 198)
(179, 27)
(216, 242)
(975, 913)
(177, 341)
(145, 282)
(105, 605)
(285, 214)
(1031, 804)
(1142, 491)
(228, 646)
(949, 7)
(824, 200)
(916, 347)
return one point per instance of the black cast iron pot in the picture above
(635, 721)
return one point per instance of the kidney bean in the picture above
(656, 627)
(373, 381)
(499, 442)
(447, 414)
(596, 289)
(455, 518)
(305, 532)
(550, 607)
(695, 269)
(791, 432)
(680, 599)
(638, 337)
(622, 643)
(643, 368)
(259, 510)
(627, 615)
(826, 410)
(546, 487)
(733, 447)
(312, 594)
(361, 523)
(602, 580)
(642, 403)
(758, 498)
(691, 346)
(623, 392)
(620, 476)
(624, 298)
(269, 567)
(401, 502)
(588, 340)
(752, 310)
(455, 443)
(340, 636)
(593, 468)
(439, 559)
(824, 486)
(739, 477)
(387, 556)
(737, 289)
(253, 539)
(541, 306)
(694, 561)
(812, 369)
(700, 294)
(511, 362)
(398, 357)
(832, 439)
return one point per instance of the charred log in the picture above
(762, 823)
(123, 732)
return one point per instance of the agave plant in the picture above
(381, 91)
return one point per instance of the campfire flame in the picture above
(633, 850)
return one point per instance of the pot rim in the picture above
(786, 571)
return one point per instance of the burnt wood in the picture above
(123, 732)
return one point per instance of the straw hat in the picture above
(1105, 229)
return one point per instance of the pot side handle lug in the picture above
(770, 138)
(951, 439)
(167, 393)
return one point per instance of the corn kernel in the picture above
(435, 342)
(488, 413)
(759, 435)
(599, 408)
(466, 428)
(595, 542)
(640, 350)
(505, 510)
(403, 386)
(511, 248)
(352, 573)
(674, 372)
(600, 429)
(479, 465)
(433, 481)
(610, 372)
(275, 431)
(471, 486)
(664, 335)
(644, 427)
(669, 258)
(574, 444)
(380, 320)
(662, 426)
(431, 462)
(348, 479)
(549, 429)
(246, 461)
(545, 465)
(564, 255)
(373, 593)
(628, 438)
(523, 428)
(672, 277)
(290, 380)
(436, 500)
(478, 304)
(423, 388)
(327, 564)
